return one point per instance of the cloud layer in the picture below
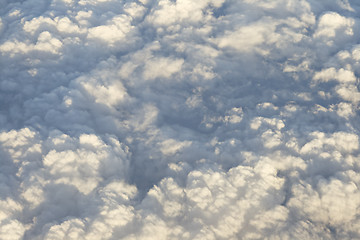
(211, 119)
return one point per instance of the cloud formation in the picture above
(213, 119)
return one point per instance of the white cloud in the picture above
(331, 22)
(134, 10)
(113, 32)
(248, 37)
(187, 11)
(171, 146)
(178, 119)
(70, 229)
(45, 43)
(349, 93)
(342, 75)
(162, 67)
(334, 203)
(344, 142)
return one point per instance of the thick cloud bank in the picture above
(179, 119)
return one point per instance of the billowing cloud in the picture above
(212, 119)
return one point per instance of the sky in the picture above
(179, 119)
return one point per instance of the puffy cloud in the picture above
(168, 13)
(341, 141)
(171, 146)
(114, 32)
(45, 43)
(331, 22)
(179, 119)
(162, 67)
(342, 75)
(334, 202)
(248, 37)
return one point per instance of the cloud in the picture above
(247, 37)
(115, 31)
(183, 11)
(342, 75)
(162, 67)
(212, 119)
(331, 22)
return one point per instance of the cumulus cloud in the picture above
(212, 119)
